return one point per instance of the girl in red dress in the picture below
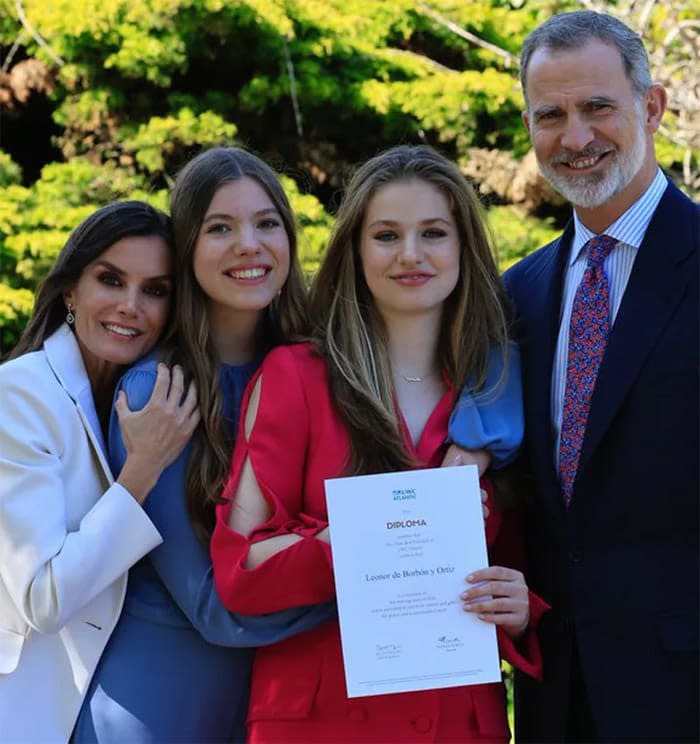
(406, 305)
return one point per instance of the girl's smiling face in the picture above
(242, 254)
(409, 248)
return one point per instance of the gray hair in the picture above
(574, 30)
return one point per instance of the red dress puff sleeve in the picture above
(277, 448)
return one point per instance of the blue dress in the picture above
(177, 666)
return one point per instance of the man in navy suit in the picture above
(613, 540)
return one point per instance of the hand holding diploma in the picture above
(499, 595)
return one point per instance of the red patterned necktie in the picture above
(588, 335)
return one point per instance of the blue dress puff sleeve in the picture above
(492, 417)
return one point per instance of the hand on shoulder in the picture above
(155, 435)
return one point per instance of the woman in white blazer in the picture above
(68, 531)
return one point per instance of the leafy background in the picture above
(106, 100)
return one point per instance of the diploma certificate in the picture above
(403, 544)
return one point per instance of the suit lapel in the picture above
(88, 415)
(656, 286)
(544, 312)
(64, 356)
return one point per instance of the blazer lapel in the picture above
(63, 354)
(544, 311)
(655, 288)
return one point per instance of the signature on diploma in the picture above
(387, 650)
(448, 643)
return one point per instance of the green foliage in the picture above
(516, 234)
(314, 225)
(669, 153)
(15, 308)
(453, 105)
(34, 252)
(35, 223)
(10, 172)
(155, 143)
(138, 86)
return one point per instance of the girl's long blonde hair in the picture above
(350, 333)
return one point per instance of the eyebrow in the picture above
(113, 267)
(553, 109)
(599, 99)
(392, 223)
(231, 218)
(547, 109)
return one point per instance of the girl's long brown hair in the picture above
(191, 345)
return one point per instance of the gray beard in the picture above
(594, 190)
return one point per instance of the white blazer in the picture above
(68, 535)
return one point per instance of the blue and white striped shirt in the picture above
(629, 230)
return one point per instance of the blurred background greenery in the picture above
(106, 100)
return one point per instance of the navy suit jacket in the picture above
(620, 566)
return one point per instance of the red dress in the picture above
(298, 686)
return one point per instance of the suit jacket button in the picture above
(358, 714)
(422, 724)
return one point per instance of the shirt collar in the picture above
(630, 227)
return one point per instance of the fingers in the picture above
(493, 584)
(513, 623)
(160, 389)
(453, 457)
(484, 508)
(155, 435)
(169, 386)
(498, 595)
(169, 395)
(121, 405)
(189, 409)
(496, 573)
(186, 412)
(177, 386)
(188, 405)
(501, 606)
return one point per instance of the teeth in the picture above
(121, 330)
(248, 273)
(583, 163)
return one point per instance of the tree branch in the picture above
(35, 34)
(510, 59)
(13, 50)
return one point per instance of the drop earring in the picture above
(70, 317)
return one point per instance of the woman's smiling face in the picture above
(121, 303)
